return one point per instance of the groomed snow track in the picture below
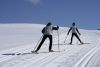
(83, 62)
(69, 56)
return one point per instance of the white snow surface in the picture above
(23, 38)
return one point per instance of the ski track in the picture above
(60, 56)
(38, 61)
(83, 62)
(47, 59)
(5, 58)
(29, 58)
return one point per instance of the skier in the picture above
(47, 33)
(74, 32)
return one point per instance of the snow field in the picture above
(75, 55)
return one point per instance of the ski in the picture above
(83, 43)
(13, 54)
(75, 44)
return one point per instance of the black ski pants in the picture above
(75, 34)
(43, 39)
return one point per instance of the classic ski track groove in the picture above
(48, 59)
(40, 59)
(52, 59)
(29, 58)
(5, 58)
(40, 62)
(87, 57)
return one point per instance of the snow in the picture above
(22, 38)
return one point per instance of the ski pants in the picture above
(43, 39)
(75, 34)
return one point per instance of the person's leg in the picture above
(72, 38)
(44, 37)
(50, 44)
(78, 38)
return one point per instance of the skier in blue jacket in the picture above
(74, 30)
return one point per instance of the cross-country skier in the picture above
(47, 33)
(74, 30)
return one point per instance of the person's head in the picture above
(49, 23)
(73, 23)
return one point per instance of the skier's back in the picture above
(47, 33)
(74, 30)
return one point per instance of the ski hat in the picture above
(73, 23)
(49, 23)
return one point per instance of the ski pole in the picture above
(58, 41)
(38, 42)
(65, 38)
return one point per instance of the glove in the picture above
(57, 27)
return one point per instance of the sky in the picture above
(86, 13)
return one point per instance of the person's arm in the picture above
(55, 28)
(43, 30)
(69, 30)
(78, 31)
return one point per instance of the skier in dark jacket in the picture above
(74, 32)
(47, 33)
